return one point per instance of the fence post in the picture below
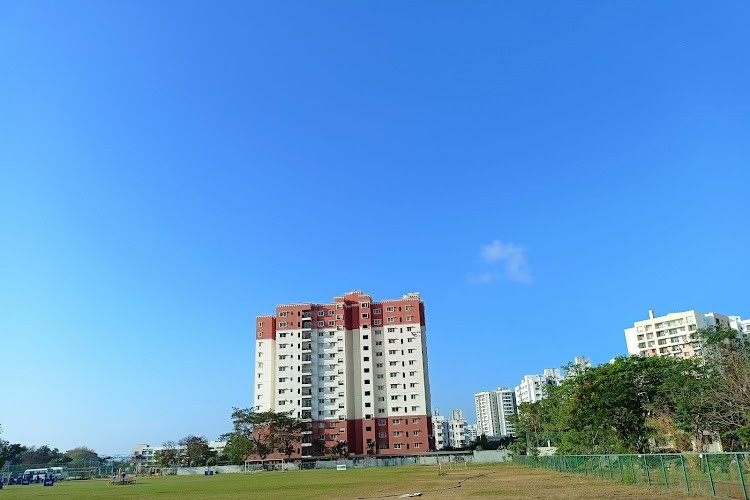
(684, 472)
(710, 477)
(648, 474)
(609, 466)
(632, 465)
(742, 476)
(664, 472)
(622, 473)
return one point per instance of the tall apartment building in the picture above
(354, 370)
(506, 406)
(485, 405)
(533, 388)
(670, 335)
(493, 409)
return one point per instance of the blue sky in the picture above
(542, 172)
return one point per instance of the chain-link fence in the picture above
(718, 475)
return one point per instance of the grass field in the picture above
(489, 481)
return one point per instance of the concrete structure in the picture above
(439, 431)
(506, 406)
(485, 405)
(533, 388)
(144, 455)
(449, 433)
(354, 370)
(670, 335)
(471, 433)
(579, 365)
(493, 409)
(457, 430)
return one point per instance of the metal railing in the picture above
(717, 475)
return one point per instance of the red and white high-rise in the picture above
(354, 370)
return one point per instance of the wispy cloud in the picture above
(480, 278)
(513, 257)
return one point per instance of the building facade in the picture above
(533, 388)
(670, 334)
(485, 405)
(353, 370)
(493, 409)
(506, 406)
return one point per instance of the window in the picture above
(381, 422)
(408, 308)
(282, 314)
(260, 323)
(331, 323)
(391, 320)
(417, 445)
(396, 421)
(378, 322)
(391, 330)
(377, 311)
(408, 318)
(321, 313)
(365, 315)
(282, 324)
(382, 434)
(397, 446)
(416, 433)
(379, 365)
(331, 313)
(320, 323)
(366, 358)
(390, 309)
(365, 305)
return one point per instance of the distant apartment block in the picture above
(670, 334)
(533, 388)
(354, 370)
(450, 433)
(579, 365)
(471, 433)
(144, 455)
(485, 405)
(493, 409)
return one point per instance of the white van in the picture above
(34, 474)
(59, 473)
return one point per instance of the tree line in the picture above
(641, 404)
(18, 454)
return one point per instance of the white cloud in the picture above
(513, 256)
(481, 278)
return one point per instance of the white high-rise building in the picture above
(353, 370)
(493, 409)
(485, 404)
(506, 406)
(533, 388)
(670, 335)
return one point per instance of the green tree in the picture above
(238, 447)
(287, 432)
(196, 450)
(726, 361)
(267, 431)
(42, 455)
(9, 452)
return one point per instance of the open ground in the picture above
(490, 481)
